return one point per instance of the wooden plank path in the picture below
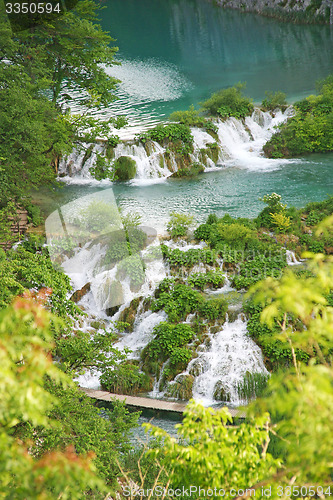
(149, 403)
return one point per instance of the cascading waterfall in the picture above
(217, 369)
(221, 366)
(239, 143)
(242, 141)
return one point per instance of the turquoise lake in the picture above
(177, 52)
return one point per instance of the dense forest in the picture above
(55, 442)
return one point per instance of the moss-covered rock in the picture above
(124, 168)
(190, 170)
(220, 392)
(79, 294)
(181, 388)
(129, 313)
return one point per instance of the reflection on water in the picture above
(177, 52)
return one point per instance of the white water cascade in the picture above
(292, 259)
(231, 354)
(241, 141)
(239, 144)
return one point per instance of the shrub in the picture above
(229, 102)
(177, 135)
(178, 258)
(214, 279)
(124, 168)
(252, 386)
(125, 378)
(167, 339)
(192, 118)
(310, 130)
(281, 222)
(274, 100)
(179, 224)
(235, 235)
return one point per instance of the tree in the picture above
(213, 456)
(38, 69)
(25, 342)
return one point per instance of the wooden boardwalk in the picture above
(149, 403)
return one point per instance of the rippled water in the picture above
(177, 52)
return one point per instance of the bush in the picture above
(192, 118)
(125, 378)
(178, 258)
(281, 222)
(124, 168)
(274, 100)
(179, 224)
(310, 130)
(235, 235)
(229, 102)
(177, 136)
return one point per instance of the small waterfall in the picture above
(232, 353)
(148, 165)
(142, 333)
(239, 143)
(242, 140)
(292, 259)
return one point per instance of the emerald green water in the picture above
(231, 190)
(177, 52)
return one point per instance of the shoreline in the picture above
(301, 12)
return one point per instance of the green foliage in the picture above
(213, 279)
(274, 100)
(23, 270)
(298, 305)
(229, 102)
(210, 454)
(193, 118)
(177, 136)
(252, 386)
(8, 217)
(177, 301)
(101, 169)
(25, 342)
(125, 378)
(82, 350)
(191, 170)
(113, 141)
(124, 168)
(235, 235)
(132, 267)
(251, 271)
(98, 217)
(274, 215)
(179, 224)
(168, 337)
(310, 130)
(177, 258)
(280, 221)
(39, 69)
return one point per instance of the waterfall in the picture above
(241, 141)
(221, 366)
(292, 259)
(238, 143)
